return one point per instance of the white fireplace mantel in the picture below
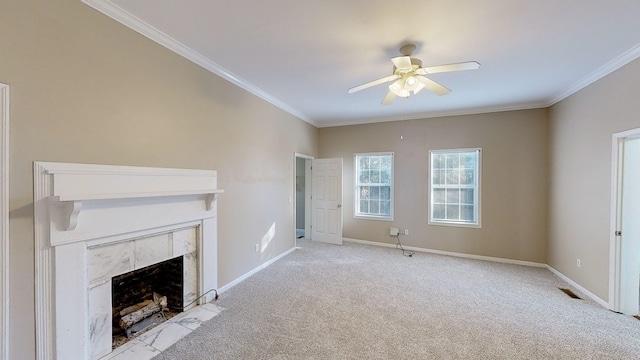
(78, 184)
(81, 206)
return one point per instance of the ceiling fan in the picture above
(409, 76)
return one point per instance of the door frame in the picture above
(308, 185)
(615, 246)
(4, 221)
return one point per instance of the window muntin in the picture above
(455, 187)
(374, 186)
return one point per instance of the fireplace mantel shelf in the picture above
(73, 202)
(75, 185)
(92, 197)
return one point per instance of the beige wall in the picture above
(581, 128)
(514, 180)
(86, 89)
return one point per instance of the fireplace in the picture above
(164, 279)
(95, 223)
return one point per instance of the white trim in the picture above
(4, 221)
(43, 269)
(478, 189)
(435, 114)
(117, 13)
(129, 20)
(304, 156)
(450, 253)
(492, 259)
(307, 212)
(603, 71)
(614, 245)
(614, 275)
(356, 197)
(581, 289)
(254, 271)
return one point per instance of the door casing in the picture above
(619, 266)
(4, 221)
(307, 194)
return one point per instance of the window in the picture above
(374, 186)
(455, 187)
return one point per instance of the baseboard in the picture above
(255, 270)
(581, 289)
(450, 253)
(584, 291)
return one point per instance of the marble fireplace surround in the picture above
(135, 216)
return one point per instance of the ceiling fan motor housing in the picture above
(415, 64)
(407, 49)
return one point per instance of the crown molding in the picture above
(613, 65)
(129, 20)
(600, 73)
(124, 17)
(437, 114)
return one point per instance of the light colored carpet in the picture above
(364, 302)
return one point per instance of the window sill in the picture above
(455, 224)
(371, 217)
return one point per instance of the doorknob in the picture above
(339, 205)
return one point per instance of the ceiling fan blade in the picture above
(388, 99)
(373, 83)
(403, 63)
(433, 86)
(470, 65)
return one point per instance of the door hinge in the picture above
(618, 233)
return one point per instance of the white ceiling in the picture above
(303, 55)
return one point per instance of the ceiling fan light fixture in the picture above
(398, 88)
(418, 88)
(411, 83)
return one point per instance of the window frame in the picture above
(356, 192)
(477, 187)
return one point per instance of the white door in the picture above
(629, 227)
(326, 201)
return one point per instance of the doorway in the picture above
(624, 290)
(302, 196)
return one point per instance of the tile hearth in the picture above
(158, 339)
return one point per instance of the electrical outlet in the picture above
(394, 231)
(257, 247)
(578, 262)
(406, 231)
